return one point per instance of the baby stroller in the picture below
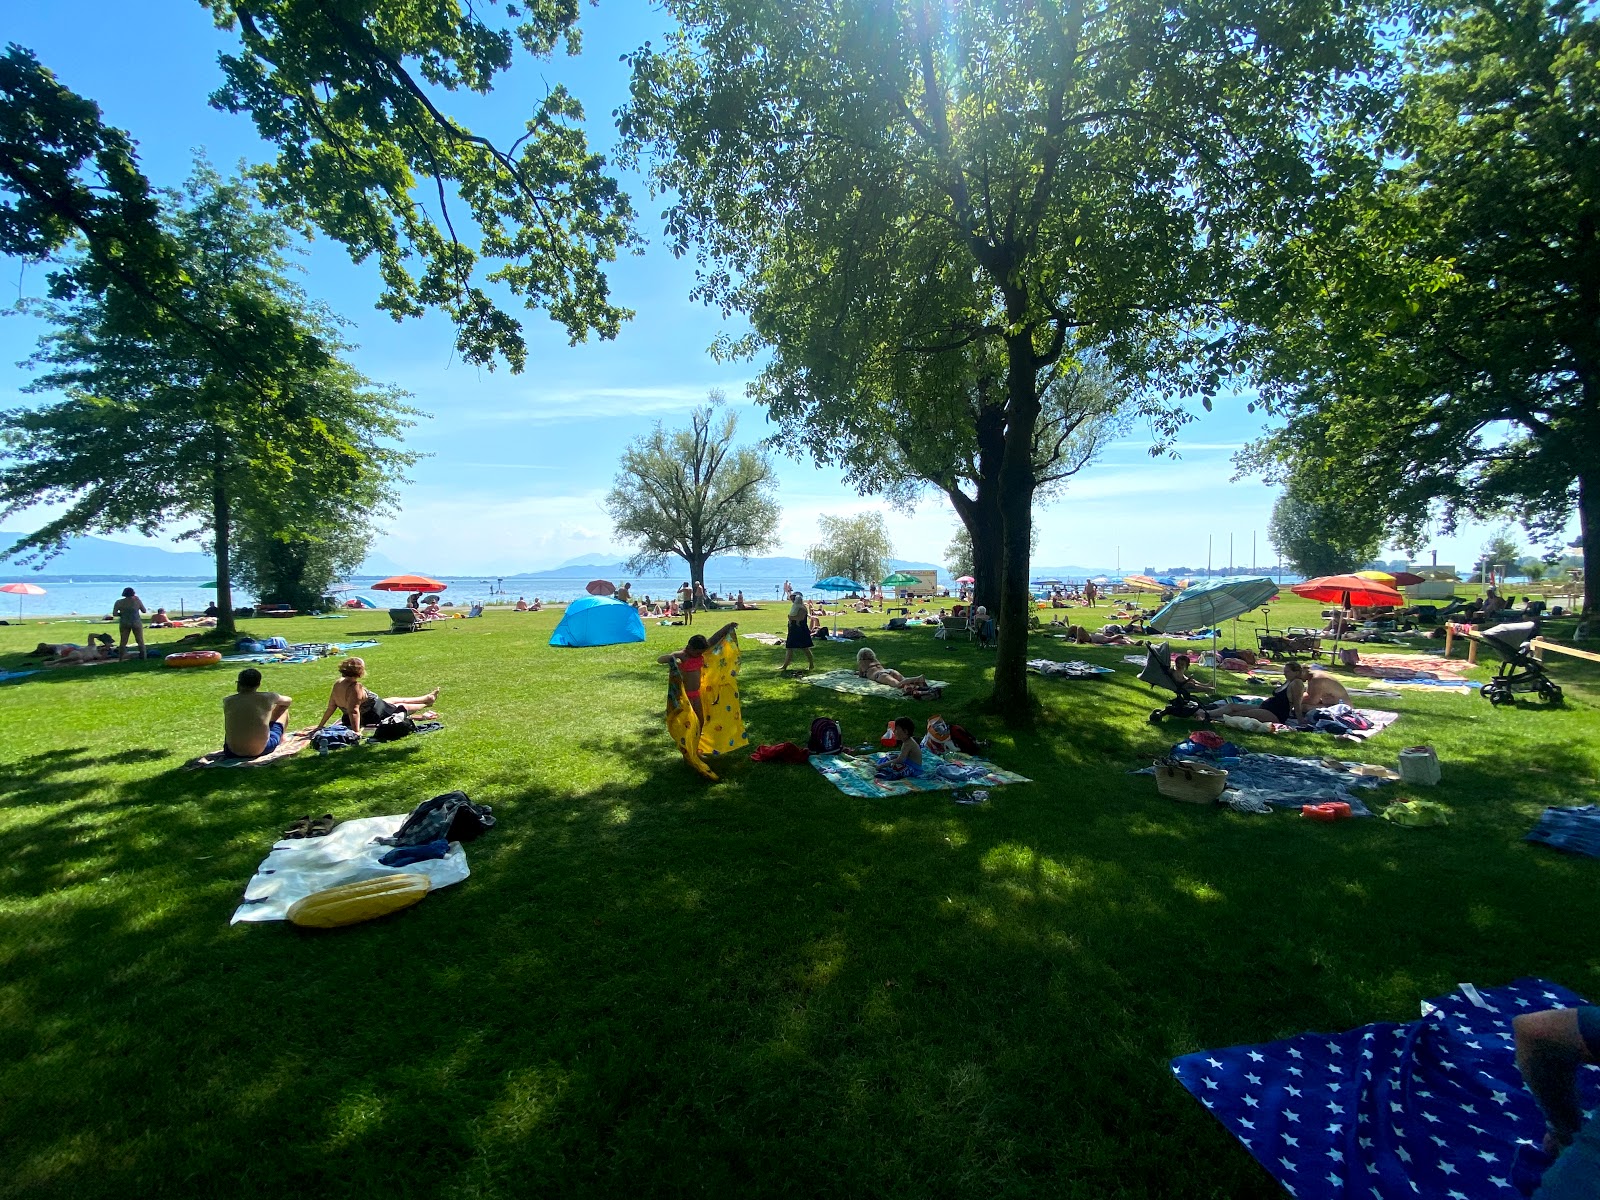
(1519, 670)
(1157, 672)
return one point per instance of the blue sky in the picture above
(518, 464)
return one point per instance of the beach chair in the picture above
(1519, 670)
(1157, 672)
(405, 620)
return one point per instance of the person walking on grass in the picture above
(799, 635)
(129, 612)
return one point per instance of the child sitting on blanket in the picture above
(906, 762)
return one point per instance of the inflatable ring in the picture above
(194, 658)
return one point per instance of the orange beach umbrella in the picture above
(408, 583)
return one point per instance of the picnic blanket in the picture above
(1576, 830)
(766, 639)
(1432, 1109)
(1407, 666)
(279, 657)
(849, 681)
(857, 776)
(347, 646)
(292, 743)
(298, 867)
(1052, 669)
(1286, 782)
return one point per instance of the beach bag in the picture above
(964, 741)
(394, 727)
(826, 736)
(1189, 782)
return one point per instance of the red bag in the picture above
(964, 741)
(781, 752)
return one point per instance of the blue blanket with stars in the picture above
(1434, 1109)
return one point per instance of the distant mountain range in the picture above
(605, 566)
(92, 558)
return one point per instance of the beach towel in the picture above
(1404, 666)
(292, 743)
(859, 776)
(1433, 1109)
(1576, 830)
(766, 639)
(1285, 782)
(719, 700)
(849, 681)
(6, 675)
(279, 658)
(348, 646)
(1067, 670)
(299, 867)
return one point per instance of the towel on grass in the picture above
(766, 639)
(1403, 666)
(1432, 1109)
(356, 645)
(849, 681)
(300, 867)
(1285, 782)
(1067, 670)
(1576, 830)
(292, 743)
(281, 658)
(858, 776)
(5, 675)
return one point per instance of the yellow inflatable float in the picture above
(351, 903)
(723, 730)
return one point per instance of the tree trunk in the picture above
(1015, 501)
(221, 524)
(1588, 527)
(697, 569)
(980, 514)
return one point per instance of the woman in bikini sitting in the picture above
(691, 661)
(870, 669)
(359, 707)
(1303, 690)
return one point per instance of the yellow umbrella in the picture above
(1380, 576)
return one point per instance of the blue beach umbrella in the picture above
(837, 583)
(1207, 604)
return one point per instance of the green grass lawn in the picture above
(659, 986)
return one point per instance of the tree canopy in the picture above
(234, 407)
(1436, 344)
(885, 180)
(351, 93)
(693, 493)
(1321, 535)
(855, 547)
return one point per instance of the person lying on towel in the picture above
(870, 669)
(252, 719)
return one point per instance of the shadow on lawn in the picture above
(662, 985)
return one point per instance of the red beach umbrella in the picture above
(601, 587)
(1352, 591)
(408, 583)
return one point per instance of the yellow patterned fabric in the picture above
(719, 700)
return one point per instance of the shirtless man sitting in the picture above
(252, 719)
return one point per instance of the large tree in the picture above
(857, 548)
(1440, 354)
(354, 96)
(693, 493)
(1031, 182)
(230, 403)
(1321, 534)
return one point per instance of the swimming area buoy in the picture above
(194, 658)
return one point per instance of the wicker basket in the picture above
(1191, 782)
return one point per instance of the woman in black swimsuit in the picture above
(359, 707)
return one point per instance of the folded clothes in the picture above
(1576, 830)
(404, 856)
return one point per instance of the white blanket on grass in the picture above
(298, 867)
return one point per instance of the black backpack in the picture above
(394, 727)
(826, 736)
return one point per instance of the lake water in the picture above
(65, 599)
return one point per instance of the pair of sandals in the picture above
(310, 827)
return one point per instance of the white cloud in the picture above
(547, 406)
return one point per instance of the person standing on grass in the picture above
(686, 603)
(1091, 593)
(799, 635)
(129, 612)
(1551, 1047)
(252, 720)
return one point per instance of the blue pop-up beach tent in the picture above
(598, 621)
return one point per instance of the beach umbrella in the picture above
(1142, 583)
(408, 583)
(966, 579)
(837, 583)
(1395, 579)
(20, 590)
(1348, 591)
(900, 579)
(600, 587)
(1211, 603)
